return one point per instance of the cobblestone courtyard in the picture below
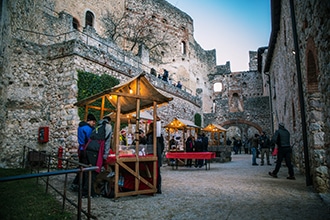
(233, 190)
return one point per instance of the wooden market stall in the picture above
(183, 125)
(131, 97)
(215, 131)
(217, 142)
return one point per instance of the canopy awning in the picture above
(178, 123)
(214, 128)
(138, 87)
(131, 117)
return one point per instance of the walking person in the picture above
(282, 139)
(264, 148)
(254, 148)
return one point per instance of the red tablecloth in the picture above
(190, 155)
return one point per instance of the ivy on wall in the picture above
(198, 120)
(90, 84)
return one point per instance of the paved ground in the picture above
(233, 190)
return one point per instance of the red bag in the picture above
(274, 153)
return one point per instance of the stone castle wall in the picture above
(313, 27)
(241, 103)
(39, 86)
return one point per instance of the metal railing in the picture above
(39, 160)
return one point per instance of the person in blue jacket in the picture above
(85, 129)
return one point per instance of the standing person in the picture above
(172, 146)
(282, 140)
(160, 149)
(205, 145)
(254, 148)
(165, 75)
(84, 132)
(142, 137)
(246, 145)
(228, 142)
(179, 85)
(161, 143)
(97, 149)
(199, 148)
(189, 148)
(235, 145)
(265, 147)
(239, 146)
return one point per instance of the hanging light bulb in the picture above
(130, 90)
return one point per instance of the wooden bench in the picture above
(191, 155)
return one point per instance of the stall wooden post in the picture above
(116, 142)
(155, 163)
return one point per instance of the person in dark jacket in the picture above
(199, 148)
(85, 129)
(160, 149)
(282, 139)
(254, 148)
(264, 147)
(189, 148)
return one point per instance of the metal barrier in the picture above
(43, 159)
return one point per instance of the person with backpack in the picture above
(85, 129)
(97, 150)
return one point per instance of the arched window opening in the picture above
(183, 47)
(311, 73)
(75, 23)
(217, 87)
(89, 19)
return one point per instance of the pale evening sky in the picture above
(232, 27)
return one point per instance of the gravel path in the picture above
(233, 190)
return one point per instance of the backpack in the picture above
(105, 183)
(97, 138)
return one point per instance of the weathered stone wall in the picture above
(241, 103)
(313, 27)
(39, 84)
(42, 92)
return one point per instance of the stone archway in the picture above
(244, 127)
(238, 122)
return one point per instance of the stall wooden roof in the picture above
(180, 124)
(214, 128)
(140, 88)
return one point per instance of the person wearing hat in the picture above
(85, 129)
(282, 139)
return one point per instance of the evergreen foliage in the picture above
(198, 119)
(90, 84)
